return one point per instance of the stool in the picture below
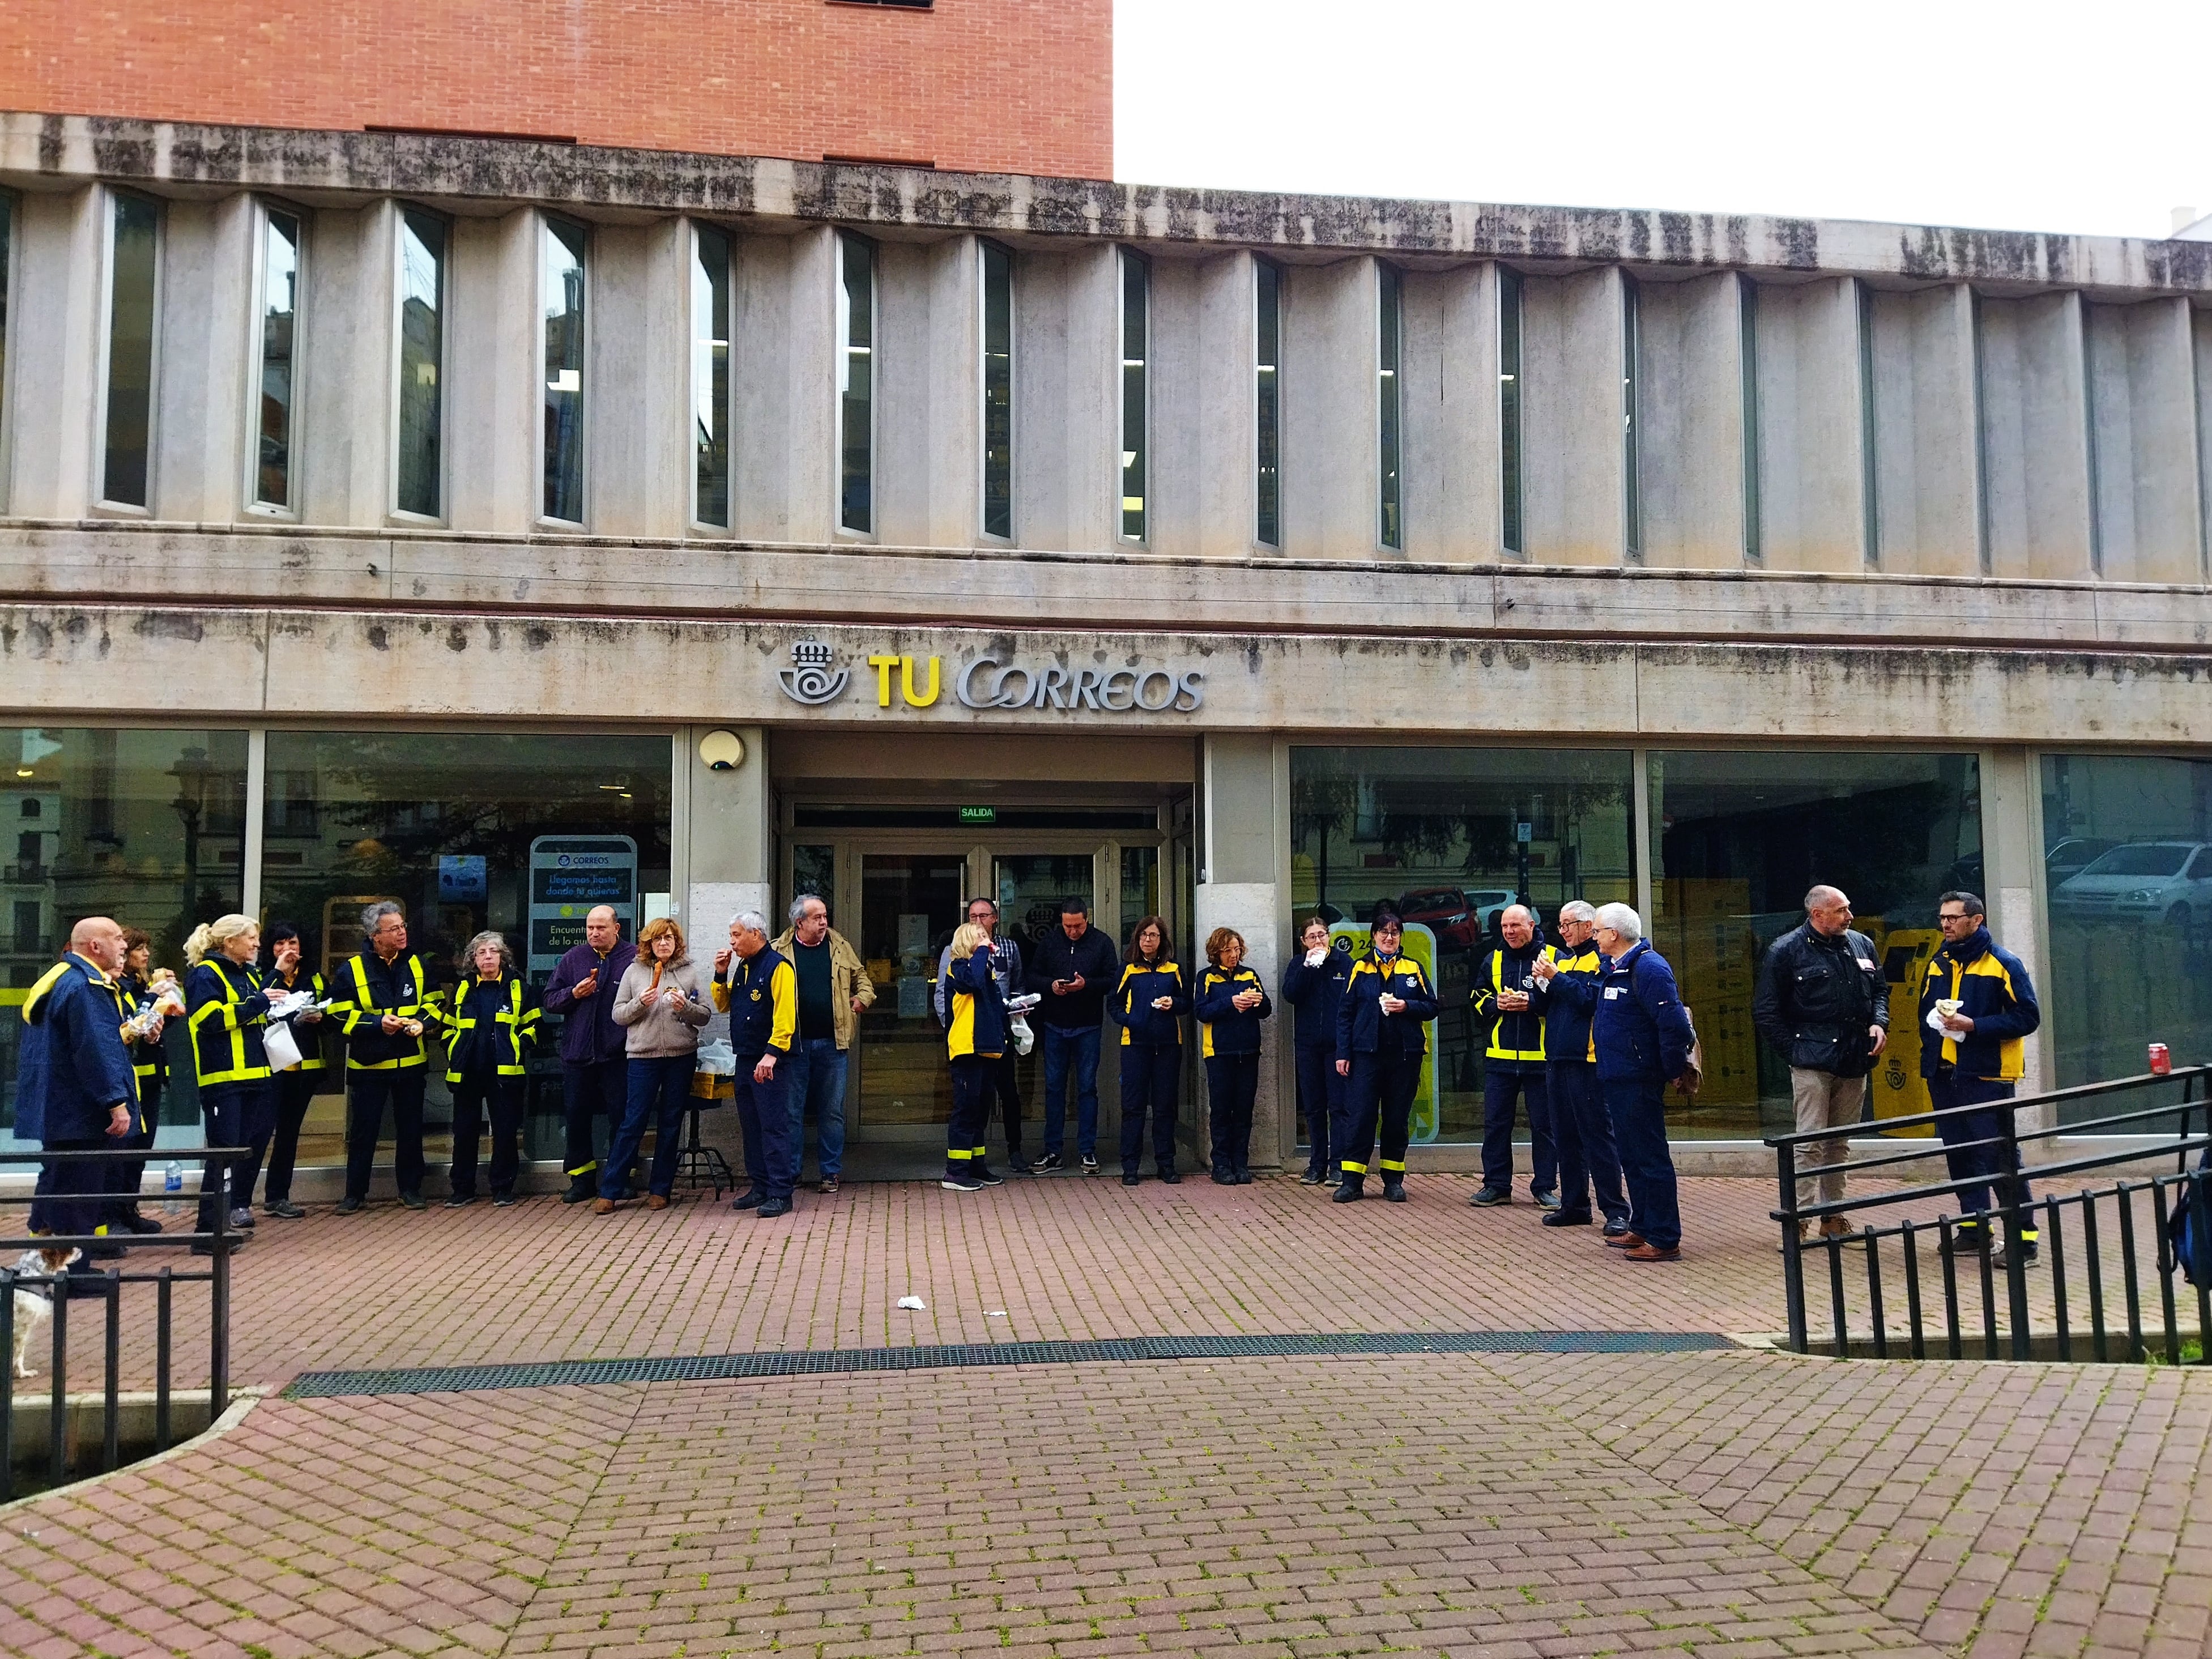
(697, 1165)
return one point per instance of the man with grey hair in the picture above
(1566, 981)
(1641, 1037)
(387, 1001)
(1513, 1063)
(755, 987)
(1823, 1004)
(834, 986)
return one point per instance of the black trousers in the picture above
(1321, 1100)
(72, 1192)
(229, 1112)
(974, 1077)
(479, 1096)
(1232, 1082)
(368, 1093)
(126, 1177)
(1378, 1095)
(295, 1093)
(1008, 1083)
(1583, 1133)
(599, 1088)
(1150, 1073)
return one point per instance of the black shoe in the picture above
(1966, 1241)
(1313, 1177)
(238, 1242)
(502, 1201)
(1048, 1164)
(1570, 1219)
(772, 1207)
(961, 1183)
(285, 1209)
(1090, 1163)
(1394, 1192)
(1223, 1178)
(137, 1222)
(1170, 1177)
(1546, 1200)
(1244, 1177)
(2002, 1258)
(458, 1201)
(350, 1205)
(1616, 1228)
(1350, 1191)
(413, 1201)
(103, 1253)
(1488, 1197)
(752, 1199)
(580, 1195)
(1131, 1178)
(987, 1176)
(1020, 1166)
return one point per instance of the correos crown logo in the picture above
(808, 679)
(985, 683)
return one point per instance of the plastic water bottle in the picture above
(173, 1187)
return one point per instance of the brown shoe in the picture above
(603, 1207)
(829, 1186)
(655, 1201)
(1835, 1226)
(1625, 1242)
(1653, 1252)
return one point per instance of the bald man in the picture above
(75, 1087)
(594, 1061)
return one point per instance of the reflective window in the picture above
(814, 870)
(1267, 404)
(563, 302)
(1631, 353)
(278, 316)
(856, 381)
(419, 472)
(1509, 411)
(520, 833)
(1452, 836)
(1136, 357)
(1739, 836)
(998, 391)
(1391, 529)
(2127, 872)
(135, 226)
(147, 827)
(710, 375)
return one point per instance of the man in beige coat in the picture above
(834, 986)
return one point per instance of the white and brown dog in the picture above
(34, 1304)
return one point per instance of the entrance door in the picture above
(909, 905)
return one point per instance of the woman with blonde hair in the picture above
(975, 1041)
(661, 1004)
(226, 1009)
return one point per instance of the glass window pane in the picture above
(1267, 526)
(422, 357)
(147, 827)
(1509, 409)
(1438, 831)
(856, 417)
(1391, 528)
(280, 311)
(1140, 889)
(710, 374)
(2128, 878)
(998, 391)
(466, 831)
(562, 300)
(1739, 837)
(1136, 348)
(137, 225)
(814, 870)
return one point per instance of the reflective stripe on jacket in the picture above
(1517, 1035)
(1568, 1001)
(226, 1008)
(369, 1048)
(511, 1024)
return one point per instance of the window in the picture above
(278, 316)
(1631, 351)
(710, 375)
(1869, 469)
(856, 382)
(419, 466)
(1391, 528)
(1746, 293)
(1136, 352)
(1509, 411)
(1267, 397)
(997, 331)
(562, 300)
(133, 262)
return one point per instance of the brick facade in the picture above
(978, 85)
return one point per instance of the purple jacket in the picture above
(588, 1033)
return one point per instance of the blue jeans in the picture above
(815, 1075)
(1075, 1051)
(1637, 1107)
(659, 1089)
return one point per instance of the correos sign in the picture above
(991, 682)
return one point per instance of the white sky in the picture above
(2093, 118)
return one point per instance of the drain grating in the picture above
(717, 1367)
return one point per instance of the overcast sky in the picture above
(2029, 116)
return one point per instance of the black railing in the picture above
(2087, 1303)
(85, 1280)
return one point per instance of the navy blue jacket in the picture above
(1641, 1029)
(1225, 1029)
(73, 1068)
(588, 1032)
(1362, 1027)
(1315, 993)
(978, 1027)
(760, 993)
(1993, 990)
(1570, 1000)
(1132, 1004)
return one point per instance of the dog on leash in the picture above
(34, 1304)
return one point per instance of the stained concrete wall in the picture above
(204, 340)
(1927, 513)
(1811, 448)
(54, 367)
(2035, 436)
(1204, 453)
(1448, 368)
(783, 355)
(1068, 401)
(638, 463)
(2143, 428)
(929, 393)
(1574, 457)
(1690, 416)
(1332, 478)
(495, 375)
(346, 352)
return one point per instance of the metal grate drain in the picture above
(717, 1367)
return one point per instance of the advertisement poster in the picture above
(1418, 942)
(569, 877)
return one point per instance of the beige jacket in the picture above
(662, 1031)
(848, 978)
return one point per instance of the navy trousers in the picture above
(1378, 1098)
(1150, 1073)
(975, 1087)
(1638, 1108)
(228, 1114)
(1500, 1087)
(1588, 1158)
(764, 1121)
(1321, 1100)
(1232, 1083)
(1983, 1165)
(126, 1178)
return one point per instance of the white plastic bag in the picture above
(281, 1044)
(717, 1058)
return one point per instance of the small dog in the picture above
(34, 1304)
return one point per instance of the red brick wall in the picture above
(1022, 86)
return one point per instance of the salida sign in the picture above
(816, 680)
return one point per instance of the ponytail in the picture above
(208, 938)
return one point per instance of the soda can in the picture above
(2161, 1059)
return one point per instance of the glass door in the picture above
(909, 905)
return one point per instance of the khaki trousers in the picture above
(1824, 1101)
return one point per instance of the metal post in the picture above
(2128, 1272)
(2166, 1274)
(1950, 1260)
(2055, 1242)
(7, 1385)
(1834, 1247)
(219, 1298)
(58, 1409)
(1873, 1294)
(161, 1300)
(1793, 1256)
(2093, 1259)
(2201, 1220)
(2015, 1231)
(1913, 1292)
(111, 1445)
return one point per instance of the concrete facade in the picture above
(1976, 464)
